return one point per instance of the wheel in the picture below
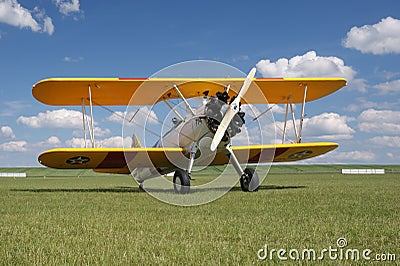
(181, 182)
(249, 181)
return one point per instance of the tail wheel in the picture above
(249, 181)
(181, 182)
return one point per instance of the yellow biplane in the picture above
(217, 119)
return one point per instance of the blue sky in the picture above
(358, 40)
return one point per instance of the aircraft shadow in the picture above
(138, 190)
(83, 190)
(270, 187)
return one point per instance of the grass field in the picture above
(78, 217)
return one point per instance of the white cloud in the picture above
(69, 59)
(99, 132)
(6, 132)
(281, 109)
(326, 126)
(269, 110)
(76, 143)
(363, 103)
(143, 116)
(118, 117)
(358, 84)
(380, 121)
(48, 25)
(311, 65)
(112, 142)
(351, 156)
(378, 39)
(12, 13)
(307, 65)
(52, 142)
(387, 141)
(14, 146)
(253, 135)
(389, 87)
(61, 118)
(66, 7)
(329, 126)
(11, 108)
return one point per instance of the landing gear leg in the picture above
(193, 149)
(181, 177)
(249, 181)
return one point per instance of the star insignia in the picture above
(78, 160)
(300, 155)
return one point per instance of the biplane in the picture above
(219, 118)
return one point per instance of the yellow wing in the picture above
(118, 91)
(113, 160)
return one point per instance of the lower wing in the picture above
(114, 160)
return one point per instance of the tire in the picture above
(249, 181)
(181, 182)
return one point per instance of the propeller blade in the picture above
(232, 111)
(246, 83)
(222, 128)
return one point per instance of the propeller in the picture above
(232, 111)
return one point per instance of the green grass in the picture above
(105, 219)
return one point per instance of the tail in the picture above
(135, 142)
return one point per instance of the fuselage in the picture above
(198, 128)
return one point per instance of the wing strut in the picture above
(184, 100)
(293, 119)
(88, 125)
(302, 114)
(84, 120)
(91, 117)
(284, 126)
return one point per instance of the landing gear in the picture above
(249, 181)
(181, 182)
(182, 177)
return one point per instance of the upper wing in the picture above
(113, 160)
(118, 91)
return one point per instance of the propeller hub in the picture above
(234, 106)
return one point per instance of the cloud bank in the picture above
(307, 65)
(381, 38)
(12, 13)
(61, 118)
(380, 121)
(67, 7)
(311, 65)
